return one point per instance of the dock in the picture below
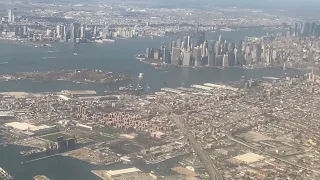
(39, 159)
(4, 175)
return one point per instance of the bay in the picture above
(115, 57)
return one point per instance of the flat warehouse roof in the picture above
(123, 171)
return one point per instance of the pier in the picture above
(39, 159)
(4, 175)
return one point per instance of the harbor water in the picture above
(116, 57)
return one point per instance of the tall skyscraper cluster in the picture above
(304, 29)
(189, 52)
(198, 52)
(75, 33)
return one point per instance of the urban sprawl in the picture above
(250, 129)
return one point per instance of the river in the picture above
(115, 57)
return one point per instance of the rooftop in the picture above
(249, 158)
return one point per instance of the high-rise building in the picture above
(185, 43)
(231, 47)
(175, 56)
(166, 56)
(269, 56)
(73, 34)
(95, 31)
(13, 17)
(147, 53)
(189, 42)
(225, 61)
(219, 60)
(197, 56)
(218, 48)
(220, 39)
(231, 58)
(82, 31)
(211, 55)
(58, 31)
(178, 44)
(186, 58)
(10, 15)
(25, 31)
(204, 48)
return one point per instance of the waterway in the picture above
(115, 57)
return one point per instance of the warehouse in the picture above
(29, 129)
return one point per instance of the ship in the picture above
(108, 40)
(141, 75)
(75, 54)
(98, 41)
(131, 88)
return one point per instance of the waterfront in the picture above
(116, 57)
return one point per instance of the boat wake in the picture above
(3, 63)
(48, 57)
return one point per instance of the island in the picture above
(76, 76)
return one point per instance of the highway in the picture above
(205, 159)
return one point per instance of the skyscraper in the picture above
(197, 56)
(269, 56)
(211, 57)
(178, 44)
(95, 31)
(186, 58)
(189, 42)
(25, 31)
(73, 33)
(175, 56)
(225, 61)
(218, 48)
(147, 53)
(58, 31)
(231, 58)
(10, 15)
(185, 43)
(166, 56)
(82, 31)
(204, 48)
(13, 17)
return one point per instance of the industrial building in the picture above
(129, 173)
(29, 129)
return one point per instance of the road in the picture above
(206, 160)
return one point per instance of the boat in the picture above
(98, 41)
(141, 75)
(75, 54)
(107, 40)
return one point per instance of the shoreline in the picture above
(249, 67)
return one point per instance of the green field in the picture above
(53, 137)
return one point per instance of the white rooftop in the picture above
(26, 126)
(122, 171)
(249, 158)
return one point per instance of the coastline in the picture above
(161, 65)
